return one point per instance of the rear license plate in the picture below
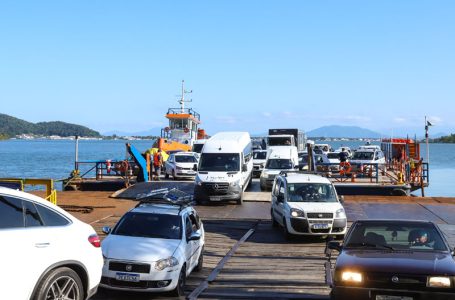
(127, 277)
(215, 198)
(320, 226)
(390, 297)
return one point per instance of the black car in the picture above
(388, 260)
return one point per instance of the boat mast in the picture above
(182, 100)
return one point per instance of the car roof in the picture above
(162, 209)
(393, 221)
(184, 153)
(305, 178)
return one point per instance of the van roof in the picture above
(227, 142)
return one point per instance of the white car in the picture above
(46, 253)
(305, 204)
(181, 164)
(368, 159)
(153, 248)
(259, 160)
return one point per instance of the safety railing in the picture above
(20, 183)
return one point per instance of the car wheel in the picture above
(200, 261)
(240, 200)
(173, 175)
(274, 222)
(166, 175)
(180, 288)
(61, 283)
(287, 235)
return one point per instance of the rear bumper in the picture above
(358, 293)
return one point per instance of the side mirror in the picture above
(334, 245)
(341, 198)
(195, 167)
(244, 168)
(106, 229)
(195, 236)
(280, 198)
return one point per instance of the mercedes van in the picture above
(225, 167)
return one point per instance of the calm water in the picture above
(55, 159)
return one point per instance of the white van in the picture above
(225, 167)
(278, 159)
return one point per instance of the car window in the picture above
(409, 236)
(277, 187)
(185, 159)
(259, 155)
(311, 192)
(194, 223)
(149, 225)
(32, 218)
(278, 164)
(11, 214)
(188, 227)
(50, 217)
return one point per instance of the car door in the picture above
(169, 164)
(197, 244)
(189, 247)
(279, 207)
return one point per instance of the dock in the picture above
(245, 257)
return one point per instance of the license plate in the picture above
(320, 226)
(391, 297)
(215, 198)
(127, 277)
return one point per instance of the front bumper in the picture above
(303, 226)
(217, 191)
(360, 293)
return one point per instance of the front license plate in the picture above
(391, 297)
(215, 198)
(320, 226)
(127, 277)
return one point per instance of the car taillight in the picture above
(94, 240)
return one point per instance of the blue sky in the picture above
(253, 65)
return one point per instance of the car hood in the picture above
(316, 206)
(410, 262)
(138, 248)
(258, 161)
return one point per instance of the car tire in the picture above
(287, 235)
(173, 175)
(200, 262)
(240, 200)
(55, 280)
(179, 290)
(166, 175)
(274, 222)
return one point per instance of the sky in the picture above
(252, 65)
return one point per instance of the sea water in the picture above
(54, 159)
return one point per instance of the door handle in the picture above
(42, 245)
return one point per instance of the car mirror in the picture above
(106, 229)
(244, 168)
(334, 245)
(195, 236)
(195, 167)
(341, 198)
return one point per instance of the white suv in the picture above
(153, 248)
(306, 204)
(181, 164)
(46, 253)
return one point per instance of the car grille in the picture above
(216, 187)
(144, 284)
(320, 230)
(319, 215)
(405, 281)
(122, 266)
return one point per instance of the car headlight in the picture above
(340, 214)
(439, 282)
(264, 174)
(235, 183)
(297, 213)
(166, 263)
(354, 277)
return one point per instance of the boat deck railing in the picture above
(185, 111)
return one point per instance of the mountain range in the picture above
(336, 131)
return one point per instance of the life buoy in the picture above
(108, 166)
(121, 166)
(186, 130)
(345, 168)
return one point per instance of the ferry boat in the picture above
(183, 129)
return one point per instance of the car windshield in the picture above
(198, 148)
(259, 155)
(279, 141)
(303, 158)
(149, 226)
(219, 162)
(185, 159)
(333, 155)
(363, 155)
(278, 164)
(418, 236)
(311, 192)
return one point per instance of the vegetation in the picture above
(11, 126)
(445, 139)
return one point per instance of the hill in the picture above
(336, 131)
(449, 139)
(11, 126)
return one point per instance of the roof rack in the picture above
(165, 196)
(286, 172)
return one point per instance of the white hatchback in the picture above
(181, 164)
(153, 248)
(46, 253)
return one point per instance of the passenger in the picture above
(343, 156)
(157, 163)
(421, 239)
(288, 142)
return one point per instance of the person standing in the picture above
(157, 163)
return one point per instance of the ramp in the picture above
(145, 187)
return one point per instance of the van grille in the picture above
(216, 187)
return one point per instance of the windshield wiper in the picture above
(370, 245)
